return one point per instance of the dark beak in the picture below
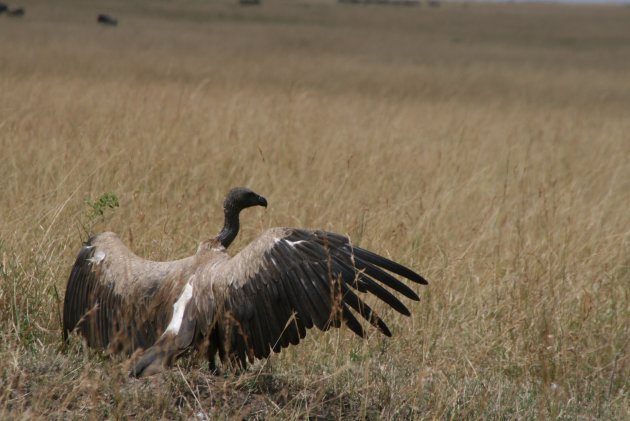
(262, 201)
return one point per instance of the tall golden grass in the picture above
(485, 146)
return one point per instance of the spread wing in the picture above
(118, 300)
(289, 280)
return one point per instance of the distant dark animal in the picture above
(107, 20)
(3, 8)
(434, 3)
(249, 2)
(243, 307)
(16, 13)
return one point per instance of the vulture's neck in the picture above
(230, 227)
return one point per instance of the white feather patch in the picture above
(178, 310)
(98, 257)
(294, 243)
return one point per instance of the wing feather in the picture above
(256, 332)
(307, 304)
(365, 284)
(117, 300)
(291, 333)
(386, 278)
(352, 321)
(390, 265)
(263, 328)
(265, 315)
(364, 310)
(319, 275)
(309, 274)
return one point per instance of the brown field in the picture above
(485, 146)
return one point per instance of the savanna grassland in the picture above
(485, 146)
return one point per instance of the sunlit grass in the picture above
(486, 147)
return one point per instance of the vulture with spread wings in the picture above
(243, 307)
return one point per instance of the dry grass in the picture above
(485, 146)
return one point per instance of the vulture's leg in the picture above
(213, 348)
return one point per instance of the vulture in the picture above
(242, 307)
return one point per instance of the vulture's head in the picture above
(236, 200)
(240, 198)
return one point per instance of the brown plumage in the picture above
(243, 307)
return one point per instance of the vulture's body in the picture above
(243, 307)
